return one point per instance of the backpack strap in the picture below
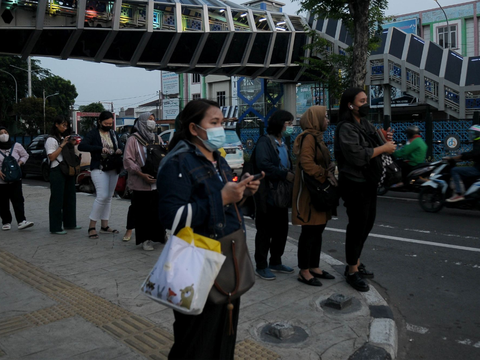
(140, 139)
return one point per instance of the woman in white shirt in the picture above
(62, 209)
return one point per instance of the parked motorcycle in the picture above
(433, 193)
(84, 183)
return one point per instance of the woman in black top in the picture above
(102, 142)
(358, 150)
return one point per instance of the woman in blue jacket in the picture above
(195, 173)
(102, 142)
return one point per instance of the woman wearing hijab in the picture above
(314, 158)
(145, 195)
(12, 192)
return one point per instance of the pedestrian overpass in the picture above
(214, 37)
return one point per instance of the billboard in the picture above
(169, 83)
(170, 109)
(397, 98)
(408, 26)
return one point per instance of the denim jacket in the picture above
(187, 176)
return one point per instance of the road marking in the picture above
(396, 238)
(417, 329)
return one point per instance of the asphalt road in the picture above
(432, 286)
(427, 266)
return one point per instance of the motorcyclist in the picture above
(460, 172)
(411, 154)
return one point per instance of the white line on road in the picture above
(396, 238)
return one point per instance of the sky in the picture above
(129, 87)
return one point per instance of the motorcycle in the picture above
(415, 179)
(433, 193)
(84, 183)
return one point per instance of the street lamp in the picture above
(447, 43)
(44, 99)
(16, 92)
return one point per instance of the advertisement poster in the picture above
(169, 83)
(398, 98)
(170, 109)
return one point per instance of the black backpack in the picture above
(10, 167)
(155, 154)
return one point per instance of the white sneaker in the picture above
(25, 224)
(148, 245)
(6, 227)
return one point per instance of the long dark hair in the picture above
(193, 112)
(54, 130)
(104, 115)
(277, 121)
(348, 96)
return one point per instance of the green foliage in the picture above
(31, 112)
(363, 19)
(41, 79)
(89, 122)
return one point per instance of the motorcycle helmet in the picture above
(411, 131)
(474, 133)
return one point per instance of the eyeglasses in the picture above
(64, 125)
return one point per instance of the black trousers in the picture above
(272, 232)
(310, 246)
(147, 226)
(205, 336)
(131, 217)
(12, 193)
(62, 208)
(406, 169)
(361, 204)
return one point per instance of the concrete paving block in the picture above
(18, 298)
(83, 340)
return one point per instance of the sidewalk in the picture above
(70, 297)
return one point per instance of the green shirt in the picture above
(415, 152)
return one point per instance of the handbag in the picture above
(324, 196)
(281, 192)
(70, 165)
(112, 161)
(186, 269)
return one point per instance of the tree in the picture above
(363, 19)
(31, 112)
(66, 93)
(88, 122)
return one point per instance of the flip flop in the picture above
(107, 230)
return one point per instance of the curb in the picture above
(383, 338)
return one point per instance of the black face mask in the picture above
(364, 110)
(106, 128)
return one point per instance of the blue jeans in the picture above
(463, 172)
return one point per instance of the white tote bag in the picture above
(186, 269)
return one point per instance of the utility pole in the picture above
(44, 118)
(29, 62)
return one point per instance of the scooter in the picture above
(433, 193)
(415, 179)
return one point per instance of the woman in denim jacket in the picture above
(195, 173)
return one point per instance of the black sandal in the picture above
(106, 230)
(92, 236)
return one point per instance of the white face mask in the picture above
(4, 137)
(151, 124)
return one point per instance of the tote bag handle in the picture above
(178, 216)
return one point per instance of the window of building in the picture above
(221, 98)
(195, 78)
(442, 36)
(196, 96)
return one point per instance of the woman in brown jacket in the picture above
(315, 161)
